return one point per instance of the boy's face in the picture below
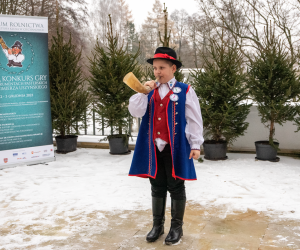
(163, 70)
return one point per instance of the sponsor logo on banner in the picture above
(46, 154)
(51, 149)
(15, 154)
(36, 156)
(32, 152)
(5, 160)
(24, 153)
(45, 150)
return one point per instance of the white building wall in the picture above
(289, 141)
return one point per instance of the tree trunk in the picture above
(179, 50)
(272, 131)
(43, 8)
(62, 131)
(194, 45)
(32, 8)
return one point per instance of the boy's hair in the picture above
(170, 63)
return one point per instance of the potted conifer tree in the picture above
(108, 66)
(219, 84)
(273, 85)
(69, 99)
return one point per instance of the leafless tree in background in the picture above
(120, 14)
(72, 15)
(247, 20)
(149, 34)
(151, 28)
(243, 21)
(10, 7)
(180, 19)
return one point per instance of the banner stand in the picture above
(25, 109)
(31, 163)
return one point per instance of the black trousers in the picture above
(164, 181)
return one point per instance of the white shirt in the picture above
(194, 126)
(15, 58)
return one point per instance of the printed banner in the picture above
(25, 111)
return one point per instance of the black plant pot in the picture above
(118, 146)
(215, 150)
(66, 144)
(265, 152)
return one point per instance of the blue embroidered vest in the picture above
(144, 162)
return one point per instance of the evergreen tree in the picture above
(221, 91)
(179, 76)
(273, 83)
(69, 100)
(108, 66)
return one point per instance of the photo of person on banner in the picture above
(14, 55)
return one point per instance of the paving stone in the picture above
(234, 231)
(220, 244)
(249, 215)
(203, 230)
(273, 248)
(285, 235)
(139, 242)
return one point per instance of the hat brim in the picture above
(177, 63)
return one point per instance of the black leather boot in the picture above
(158, 211)
(177, 213)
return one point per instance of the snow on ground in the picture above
(93, 181)
(242, 183)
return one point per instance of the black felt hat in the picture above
(18, 45)
(167, 54)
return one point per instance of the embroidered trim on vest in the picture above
(154, 149)
(173, 114)
(160, 113)
(188, 89)
(171, 144)
(173, 123)
(149, 138)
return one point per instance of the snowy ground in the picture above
(90, 180)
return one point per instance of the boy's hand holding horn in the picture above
(152, 84)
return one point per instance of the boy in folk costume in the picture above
(170, 136)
